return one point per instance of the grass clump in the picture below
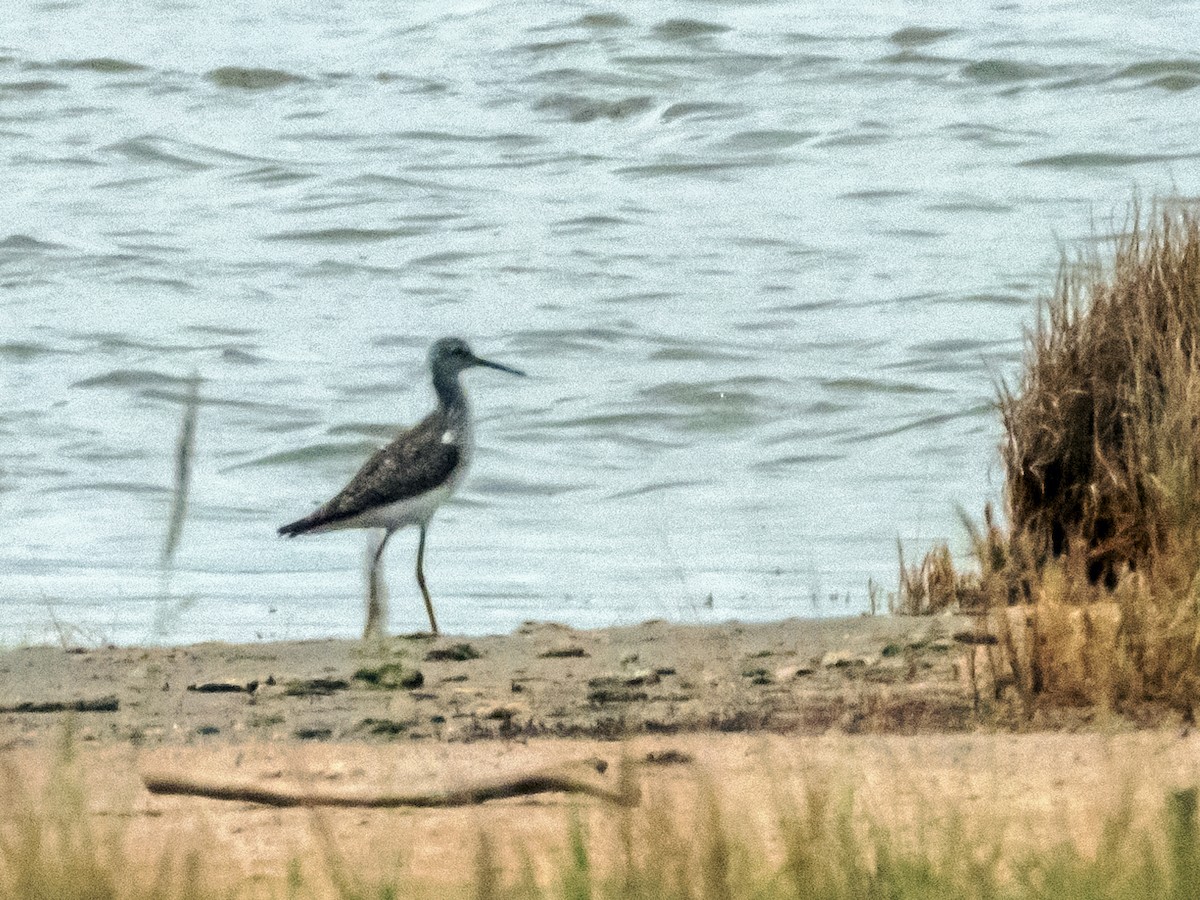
(815, 843)
(461, 652)
(933, 586)
(390, 676)
(1102, 448)
(822, 849)
(1095, 582)
(50, 848)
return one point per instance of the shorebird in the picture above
(405, 482)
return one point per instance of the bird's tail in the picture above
(300, 526)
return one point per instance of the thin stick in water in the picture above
(185, 449)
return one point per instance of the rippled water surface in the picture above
(764, 263)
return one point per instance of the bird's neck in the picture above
(449, 390)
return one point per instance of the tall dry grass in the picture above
(1102, 448)
(1094, 585)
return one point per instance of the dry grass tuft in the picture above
(1095, 585)
(1102, 450)
(935, 585)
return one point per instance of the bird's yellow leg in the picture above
(376, 604)
(421, 581)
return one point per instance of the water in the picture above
(764, 263)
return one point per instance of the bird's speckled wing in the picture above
(415, 462)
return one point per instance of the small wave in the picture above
(343, 235)
(621, 419)
(866, 136)
(767, 324)
(415, 84)
(1003, 71)
(1160, 67)
(794, 460)
(592, 222)
(271, 175)
(586, 338)
(399, 340)
(915, 58)
(378, 180)
(178, 285)
(687, 29)
(980, 206)
(638, 296)
(31, 86)
(206, 400)
(545, 47)
(103, 64)
(803, 306)
(19, 351)
(387, 388)
(767, 140)
(580, 109)
(930, 421)
(112, 487)
(137, 378)
(108, 341)
(871, 195)
(826, 408)
(602, 21)
(25, 242)
(1167, 74)
(716, 386)
(518, 487)
(655, 487)
(919, 36)
(990, 135)
(252, 79)
(808, 60)
(287, 426)
(919, 234)
(150, 148)
(953, 345)
(721, 66)
(875, 386)
(224, 330)
(1176, 82)
(708, 168)
(358, 450)
(511, 140)
(240, 357)
(703, 111)
(702, 397)
(997, 299)
(1101, 160)
(698, 354)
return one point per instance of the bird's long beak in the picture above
(496, 365)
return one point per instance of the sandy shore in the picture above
(796, 676)
(878, 706)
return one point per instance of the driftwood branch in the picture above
(568, 780)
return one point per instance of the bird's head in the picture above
(451, 355)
